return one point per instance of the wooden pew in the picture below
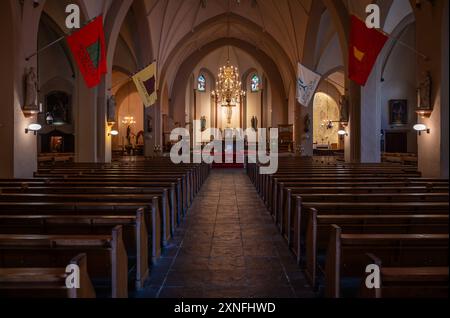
(92, 209)
(45, 282)
(286, 217)
(135, 234)
(298, 224)
(346, 254)
(142, 199)
(408, 282)
(176, 199)
(106, 253)
(294, 222)
(278, 196)
(317, 231)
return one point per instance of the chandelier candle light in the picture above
(228, 91)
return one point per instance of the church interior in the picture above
(358, 205)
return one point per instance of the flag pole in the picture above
(397, 40)
(45, 47)
(56, 41)
(129, 77)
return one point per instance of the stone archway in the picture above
(269, 66)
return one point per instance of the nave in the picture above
(228, 247)
(103, 99)
(152, 229)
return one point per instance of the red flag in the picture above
(364, 47)
(89, 50)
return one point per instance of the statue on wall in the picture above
(254, 123)
(111, 109)
(424, 92)
(31, 90)
(203, 123)
(307, 123)
(129, 135)
(344, 107)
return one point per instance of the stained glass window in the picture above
(201, 83)
(255, 83)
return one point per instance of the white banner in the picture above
(307, 82)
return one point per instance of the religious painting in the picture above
(398, 112)
(58, 104)
(56, 144)
(201, 83)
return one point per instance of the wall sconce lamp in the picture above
(113, 133)
(420, 128)
(34, 128)
(342, 132)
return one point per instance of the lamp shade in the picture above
(114, 133)
(34, 127)
(420, 127)
(342, 132)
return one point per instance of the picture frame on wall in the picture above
(398, 112)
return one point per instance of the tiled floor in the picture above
(228, 247)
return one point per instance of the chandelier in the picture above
(128, 120)
(228, 91)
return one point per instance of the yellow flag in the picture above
(145, 82)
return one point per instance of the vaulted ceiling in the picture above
(279, 28)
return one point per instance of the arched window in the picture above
(201, 83)
(255, 82)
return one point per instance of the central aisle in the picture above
(228, 247)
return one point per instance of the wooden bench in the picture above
(278, 196)
(346, 254)
(106, 253)
(135, 234)
(291, 202)
(93, 209)
(295, 221)
(408, 282)
(317, 231)
(45, 282)
(144, 200)
(175, 199)
(298, 224)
